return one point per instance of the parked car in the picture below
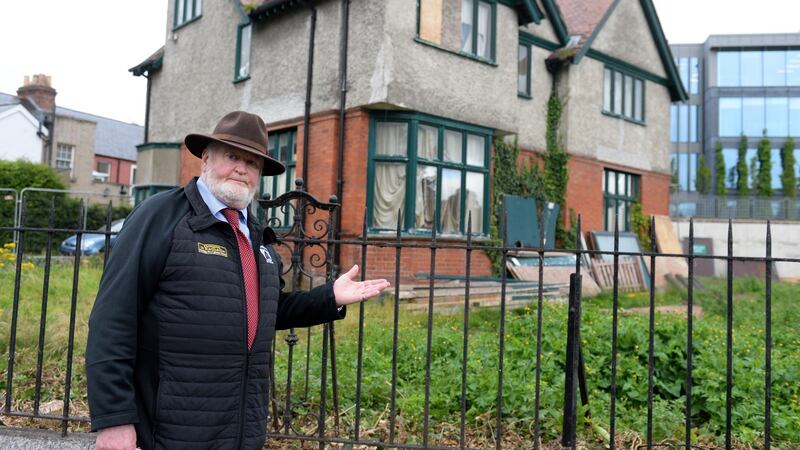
(91, 243)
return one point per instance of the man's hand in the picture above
(348, 291)
(122, 437)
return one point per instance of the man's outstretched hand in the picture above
(347, 290)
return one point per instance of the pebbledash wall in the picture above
(391, 71)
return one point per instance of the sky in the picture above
(87, 46)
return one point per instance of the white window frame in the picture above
(62, 163)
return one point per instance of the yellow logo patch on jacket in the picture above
(212, 249)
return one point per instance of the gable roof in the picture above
(527, 10)
(112, 138)
(28, 103)
(584, 19)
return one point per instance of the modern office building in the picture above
(737, 85)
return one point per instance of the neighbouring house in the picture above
(23, 134)
(739, 85)
(95, 154)
(394, 105)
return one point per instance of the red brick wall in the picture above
(120, 170)
(585, 190)
(190, 166)
(322, 168)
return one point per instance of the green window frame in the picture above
(620, 191)
(435, 157)
(524, 57)
(623, 95)
(186, 11)
(282, 145)
(470, 32)
(244, 33)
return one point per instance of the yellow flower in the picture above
(9, 245)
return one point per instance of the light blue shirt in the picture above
(216, 207)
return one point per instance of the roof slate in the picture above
(582, 17)
(112, 137)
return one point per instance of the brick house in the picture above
(394, 105)
(94, 154)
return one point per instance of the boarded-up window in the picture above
(430, 20)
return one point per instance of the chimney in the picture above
(39, 90)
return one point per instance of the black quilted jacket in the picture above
(167, 348)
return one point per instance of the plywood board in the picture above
(430, 20)
(666, 238)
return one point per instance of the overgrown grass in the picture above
(519, 364)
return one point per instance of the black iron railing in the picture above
(307, 248)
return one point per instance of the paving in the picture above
(32, 439)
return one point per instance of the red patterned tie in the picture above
(249, 271)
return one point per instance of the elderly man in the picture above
(181, 330)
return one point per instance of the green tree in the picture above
(763, 177)
(742, 185)
(703, 182)
(719, 169)
(788, 176)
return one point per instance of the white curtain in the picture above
(451, 201)
(484, 30)
(390, 194)
(452, 146)
(466, 25)
(426, 197)
(474, 201)
(427, 142)
(391, 139)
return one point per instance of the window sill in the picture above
(410, 235)
(626, 119)
(193, 19)
(488, 62)
(525, 96)
(241, 80)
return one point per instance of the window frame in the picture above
(492, 34)
(63, 146)
(527, 94)
(237, 76)
(628, 199)
(614, 72)
(197, 12)
(412, 161)
(103, 177)
(291, 163)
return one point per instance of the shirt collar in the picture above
(215, 206)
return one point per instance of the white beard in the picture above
(233, 194)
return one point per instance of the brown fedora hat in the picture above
(240, 130)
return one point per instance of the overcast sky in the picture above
(87, 46)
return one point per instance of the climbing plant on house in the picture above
(556, 172)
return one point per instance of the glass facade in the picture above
(758, 68)
(779, 116)
(689, 70)
(684, 123)
(684, 170)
